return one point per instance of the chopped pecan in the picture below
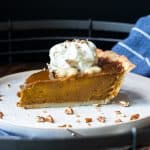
(65, 126)
(87, 120)
(69, 111)
(135, 117)
(72, 63)
(49, 118)
(40, 119)
(1, 115)
(101, 119)
(124, 103)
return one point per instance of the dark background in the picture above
(112, 10)
(18, 45)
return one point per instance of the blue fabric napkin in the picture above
(137, 46)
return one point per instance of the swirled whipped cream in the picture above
(70, 57)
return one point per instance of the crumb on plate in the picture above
(87, 120)
(69, 111)
(65, 126)
(101, 119)
(135, 117)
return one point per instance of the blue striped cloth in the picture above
(137, 46)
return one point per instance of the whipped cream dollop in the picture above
(71, 57)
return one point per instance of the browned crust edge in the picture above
(114, 57)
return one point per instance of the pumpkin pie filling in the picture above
(47, 89)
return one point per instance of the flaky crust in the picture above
(114, 57)
(84, 103)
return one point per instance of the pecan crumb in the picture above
(124, 103)
(118, 121)
(87, 120)
(1, 115)
(135, 117)
(101, 119)
(65, 126)
(69, 111)
(72, 63)
(49, 118)
(40, 119)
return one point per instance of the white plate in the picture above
(21, 121)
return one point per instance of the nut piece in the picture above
(72, 63)
(124, 103)
(1, 115)
(69, 111)
(49, 118)
(101, 119)
(118, 121)
(65, 126)
(87, 120)
(40, 119)
(135, 117)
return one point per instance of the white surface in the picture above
(136, 89)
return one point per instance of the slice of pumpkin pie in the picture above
(78, 74)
